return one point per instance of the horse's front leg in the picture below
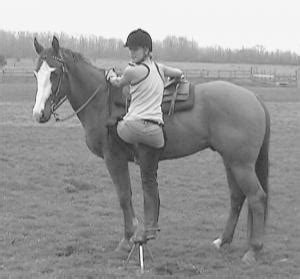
(117, 166)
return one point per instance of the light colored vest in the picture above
(146, 96)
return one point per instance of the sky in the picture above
(234, 24)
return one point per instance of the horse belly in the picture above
(186, 133)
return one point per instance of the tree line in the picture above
(20, 45)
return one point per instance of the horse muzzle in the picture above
(44, 114)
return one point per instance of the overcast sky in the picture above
(228, 23)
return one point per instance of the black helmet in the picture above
(139, 38)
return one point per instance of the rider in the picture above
(143, 123)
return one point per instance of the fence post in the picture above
(2, 75)
(251, 73)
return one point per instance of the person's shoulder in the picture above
(132, 67)
(134, 71)
(137, 68)
(160, 65)
(129, 67)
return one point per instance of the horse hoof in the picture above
(124, 245)
(217, 243)
(249, 258)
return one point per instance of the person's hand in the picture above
(111, 73)
(180, 78)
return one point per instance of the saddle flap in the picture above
(178, 91)
(179, 101)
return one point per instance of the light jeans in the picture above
(141, 131)
(150, 140)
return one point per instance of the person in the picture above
(143, 123)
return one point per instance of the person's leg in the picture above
(149, 153)
(148, 159)
(140, 131)
(152, 135)
(149, 139)
(127, 131)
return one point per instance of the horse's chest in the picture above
(95, 143)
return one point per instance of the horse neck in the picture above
(84, 79)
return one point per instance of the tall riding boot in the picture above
(148, 160)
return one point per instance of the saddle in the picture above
(178, 96)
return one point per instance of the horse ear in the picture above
(38, 48)
(55, 44)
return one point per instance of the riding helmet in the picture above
(139, 38)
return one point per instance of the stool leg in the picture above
(150, 253)
(141, 258)
(130, 254)
(140, 246)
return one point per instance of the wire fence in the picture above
(252, 76)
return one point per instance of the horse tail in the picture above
(262, 162)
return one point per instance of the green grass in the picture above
(60, 216)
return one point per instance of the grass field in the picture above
(60, 216)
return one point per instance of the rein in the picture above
(57, 119)
(55, 106)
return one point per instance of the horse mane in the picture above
(76, 57)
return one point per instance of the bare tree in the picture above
(3, 61)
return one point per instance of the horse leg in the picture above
(249, 184)
(118, 169)
(237, 199)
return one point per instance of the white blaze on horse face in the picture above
(43, 89)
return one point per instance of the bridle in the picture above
(55, 105)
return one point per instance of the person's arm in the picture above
(172, 72)
(124, 79)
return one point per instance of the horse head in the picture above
(52, 80)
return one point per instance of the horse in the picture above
(226, 118)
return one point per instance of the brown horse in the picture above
(226, 118)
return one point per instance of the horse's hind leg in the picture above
(249, 184)
(237, 199)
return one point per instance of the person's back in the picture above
(146, 94)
